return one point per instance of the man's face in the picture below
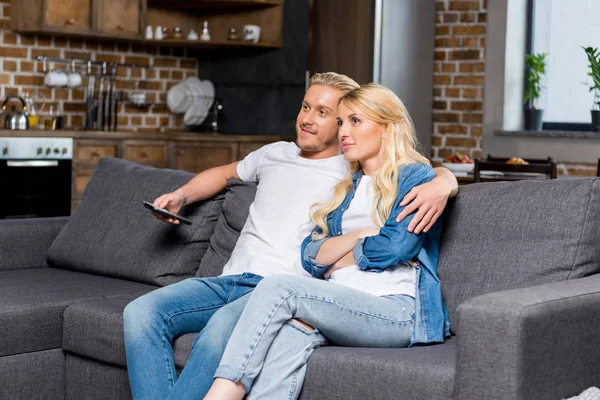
(316, 124)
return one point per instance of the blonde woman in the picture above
(378, 283)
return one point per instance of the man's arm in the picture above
(430, 199)
(203, 186)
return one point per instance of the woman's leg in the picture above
(152, 321)
(345, 316)
(282, 375)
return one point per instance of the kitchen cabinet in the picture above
(197, 157)
(120, 17)
(67, 15)
(150, 153)
(192, 152)
(126, 20)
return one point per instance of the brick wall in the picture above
(458, 83)
(20, 73)
(458, 78)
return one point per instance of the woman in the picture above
(381, 287)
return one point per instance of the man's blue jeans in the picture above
(211, 306)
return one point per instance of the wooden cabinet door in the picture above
(197, 157)
(68, 15)
(89, 152)
(120, 17)
(153, 154)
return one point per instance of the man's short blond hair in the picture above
(335, 81)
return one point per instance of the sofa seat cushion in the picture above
(339, 373)
(32, 303)
(112, 234)
(509, 235)
(94, 329)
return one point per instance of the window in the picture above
(560, 28)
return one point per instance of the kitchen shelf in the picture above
(199, 44)
(201, 5)
(144, 105)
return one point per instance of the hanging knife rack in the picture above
(101, 98)
(72, 61)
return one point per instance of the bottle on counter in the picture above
(32, 114)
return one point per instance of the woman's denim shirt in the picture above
(395, 245)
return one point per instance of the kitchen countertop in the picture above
(191, 136)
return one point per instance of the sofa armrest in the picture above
(538, 342)
(24, 243)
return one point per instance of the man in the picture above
(292, 178)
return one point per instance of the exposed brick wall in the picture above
(458, 77)
(458, 83)
(20, 73)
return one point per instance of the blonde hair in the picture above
(380, 105)
(334, 80)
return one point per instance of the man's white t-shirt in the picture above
(278, 221)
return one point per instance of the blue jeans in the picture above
(210, 306)
(344, 316)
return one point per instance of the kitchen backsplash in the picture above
(20, 73)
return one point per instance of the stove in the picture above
(30, 148)
(35, 177)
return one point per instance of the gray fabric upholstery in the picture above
(94, 329)
(500, 236)
(112, 234)
(238, 198)
(38, 375)
(540, 342)
(87, 379)
(32, 302)
(24, 243)
(341, 373)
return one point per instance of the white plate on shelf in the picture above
(178, 99)
(459, 167)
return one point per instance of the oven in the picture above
(35, 177)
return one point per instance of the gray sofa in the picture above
(519, 267)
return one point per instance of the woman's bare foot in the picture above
(224, 389)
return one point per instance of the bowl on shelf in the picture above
(456, 167)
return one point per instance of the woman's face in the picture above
(360, 138)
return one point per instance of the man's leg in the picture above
(152, 321)
(283, 373)
(197, 376)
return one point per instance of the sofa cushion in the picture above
(32, 302)
(508, 235)
(94, 329)
(238, 198)
(339, 373)
(112, 234)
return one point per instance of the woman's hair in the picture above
(334, 80)
(380, 105)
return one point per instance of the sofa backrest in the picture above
(238, 198)
(508, 235)
(112, 234)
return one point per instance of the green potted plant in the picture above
(593, 56)
(536, 69)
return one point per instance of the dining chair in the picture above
(514, 172)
